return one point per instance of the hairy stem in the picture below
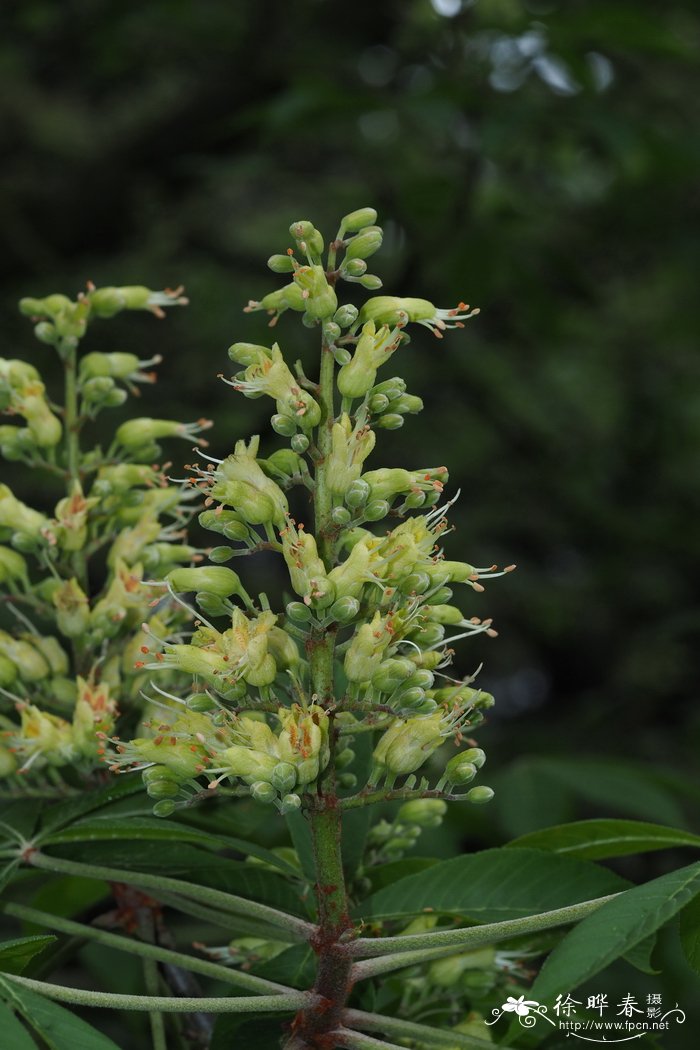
(466, 939)
(332, 984)
(243, 1004)
(301, 929)
(145, 950)
(421, 1034)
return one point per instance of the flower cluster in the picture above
(69, 653)
(276, 698)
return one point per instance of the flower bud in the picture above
(422, 812)
(376, 510)
(106, 302)
(392, 673)
(371, 282)
(378, 403)
(247, 354)
(165, 808)
(390, 421)
(283, 649)
(137, 433)
(8, 671)
(51, 306)
(20, 518)
(390, 388)
(365, 243)
(422, 678)
(299, 612)
(285, 426)
(357, 494)
(162, 787)
(283, 777)
(341, 516)
(459, 771)
(356, 220)
(410, 699)
(12, 566)
(344, 610)
(280, 263)
(389, 309)
(447, 614)
(331, 332)
(475, 755)
(263, 792)
(406, 404)
(344, 758)
(353, 268)
(480, 794)
(46, 332)
(222, 554)
(52, 651)
(415, 583)
(215, 579)
(218, 520)
(345, 315)
(31, 665)
(290, 803)
(428, 636)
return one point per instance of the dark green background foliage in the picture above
(538, 159)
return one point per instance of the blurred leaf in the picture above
(300, 831)
(156, 829)
(614, 929)
(64, 813)
(598, 839)
(639, 955)
(493, 885)
(14, 955)
(187, 862)
(690, 932)
(7, 871)
(295, 966)
(261, 1033)
(385, 874)
(15, 1035)
(616, 784)
(60, 1029)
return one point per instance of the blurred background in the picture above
(537, 158)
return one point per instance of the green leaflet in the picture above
(599, 839)
(613, 930)
(494, 885)
(58, 1027)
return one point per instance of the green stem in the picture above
(358, 1041)
(157, 1021)
(145, 950)
(243, 1004)
(333, 972)
(217, 898)
(473, 936)
(69, 355)
(418, 1033)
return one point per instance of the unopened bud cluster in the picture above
(276, 697)
(69, 656)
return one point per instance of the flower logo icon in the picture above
(520, 1006)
